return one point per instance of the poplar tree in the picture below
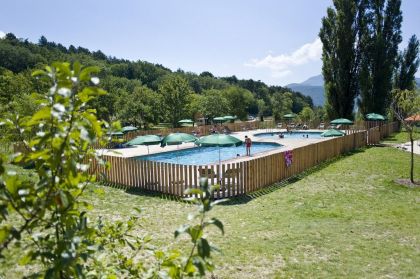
(339, 35)
(380, 37)
(408, 65)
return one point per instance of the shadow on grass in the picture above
(242, 199)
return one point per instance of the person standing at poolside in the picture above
(248, 144)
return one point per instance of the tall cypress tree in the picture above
(408, 65)
(379, 50)
(339, 35)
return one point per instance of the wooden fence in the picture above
(235, 178)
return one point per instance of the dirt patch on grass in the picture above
(407, 183)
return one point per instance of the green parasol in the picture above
(220, 140)
(332, 133)
(128, 129)
(342, 121)
(145, 140)
(289, 116)
(117, 134)
(177, 139)
(375, 117)
(186, 121)
(219, 119)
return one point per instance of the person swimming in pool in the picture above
(248, 144)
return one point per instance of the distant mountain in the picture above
(313, 87)
(418, 82)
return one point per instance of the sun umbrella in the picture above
(117, 134)
(186, 121)
(332, 133)
(342, 121)
(128, 129)
(220, 140)
(375, 117)
(219, 119)
(289, 116)
(229, 117)
(145, 140)
(177, 139)
(413, 118)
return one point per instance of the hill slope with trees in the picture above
(140, 93)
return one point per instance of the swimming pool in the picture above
(207, 155)
(290, 135)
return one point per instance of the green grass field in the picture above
(344, 219)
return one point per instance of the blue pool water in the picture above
(293, 135)
(207, 155)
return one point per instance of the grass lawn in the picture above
(402, 137)
(345, 219)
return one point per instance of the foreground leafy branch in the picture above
(46, 218)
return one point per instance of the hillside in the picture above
(312, 87)
(214, 96)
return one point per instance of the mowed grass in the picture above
(344, 219)
(402, 137)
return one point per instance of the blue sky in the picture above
(270, 40)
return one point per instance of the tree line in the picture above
(361, 60)
(140, 93)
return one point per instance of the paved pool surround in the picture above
(286, 143)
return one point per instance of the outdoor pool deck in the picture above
(287, 144)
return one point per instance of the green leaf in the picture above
(64, 199)
(86, 72)
(217, 223)
(203, 248)
(181, 230)
(38, 73)
(195, 232)
(4, 233)
(200, 264)
(27, 258)
(43, 113)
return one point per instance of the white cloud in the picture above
(2, 34)
(283, 64)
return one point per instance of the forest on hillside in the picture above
(140, 93)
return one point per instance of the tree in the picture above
(307, 114)
(43, 41)
(239, 100)
(261, 108)
(406, 103)
(408, 65)
(282, 104)
(140, 107)
(339, 35)
(194, 107)
(175, 90)
(214, 104)
(381, 35)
